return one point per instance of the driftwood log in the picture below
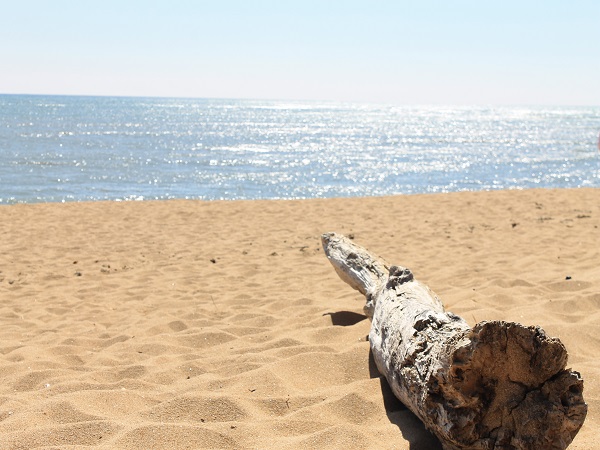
(498, 385)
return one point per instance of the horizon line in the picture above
(307, 100)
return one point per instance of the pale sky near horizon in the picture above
(516, 52)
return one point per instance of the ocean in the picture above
(70, 148)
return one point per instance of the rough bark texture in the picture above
(498, 385)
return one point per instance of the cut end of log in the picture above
(510, 382)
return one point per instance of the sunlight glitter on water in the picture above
(92, 148)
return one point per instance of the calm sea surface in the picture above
(55, 148)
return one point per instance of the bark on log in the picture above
(498, 385)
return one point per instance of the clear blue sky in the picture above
(405, 52)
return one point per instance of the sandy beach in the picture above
(189, 324)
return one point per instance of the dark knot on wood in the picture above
(399, 275)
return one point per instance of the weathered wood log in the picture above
(498, 385)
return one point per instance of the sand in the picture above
(189, 324)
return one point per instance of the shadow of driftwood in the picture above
(410, 426)
(345, 318)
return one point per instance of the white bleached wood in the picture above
(496, 386)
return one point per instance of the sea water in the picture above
(59, 148)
